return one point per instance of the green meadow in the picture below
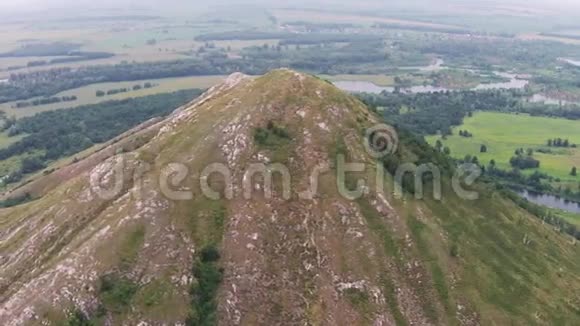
(6, 140)
(503, 133)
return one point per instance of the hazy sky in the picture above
(7, 6)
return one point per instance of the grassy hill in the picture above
(150, 253)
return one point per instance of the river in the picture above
(436, 65)
(357, 86)
(551, 201)
(572, 62)
(539, 98)
(369, 87)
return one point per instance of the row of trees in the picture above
(523, 162)
(559, 142)
(46, 100)
(524, 159)
(442, 149)
(71, 57)
(137, 87)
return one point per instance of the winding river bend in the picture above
(369, 87)
(551, 201)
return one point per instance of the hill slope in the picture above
(149, 253)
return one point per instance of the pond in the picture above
(550, 201)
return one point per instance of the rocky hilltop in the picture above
(164, 226)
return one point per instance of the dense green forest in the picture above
(62, 133)
(437, 113)
(433, 113)
(52, 81)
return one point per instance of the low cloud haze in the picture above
(188, 7)
(40, 5)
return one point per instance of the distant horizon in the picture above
(31, 6)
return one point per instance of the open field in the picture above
(504, 133)
(12, 35)
(140, 55)
(159, 52)
(292, 15)
(13, 163)
(128, 41)
(7, 62)
(240, 44)
(539, 37)
(87, 94)
(379, 80)
(6, 141)
(163, 50)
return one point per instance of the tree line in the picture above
(114, 91)
(559, 142)
(46, 100)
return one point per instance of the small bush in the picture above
(209, 254)
(357, 297)
(271, 136)
(524, 162)
(116, 293)
(77, 318)
(454, 250)
(209, 277)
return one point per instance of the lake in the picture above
(550, 201)
(369, 87)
